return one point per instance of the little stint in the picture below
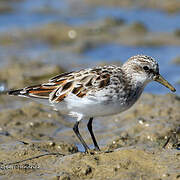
(99, 91)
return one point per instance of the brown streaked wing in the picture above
(79, 83)
(40, 91)
(92, 82)
(61, 97)
(76, 89)
(81, 94)
(67, 86)
(104, 81)
(61, 92)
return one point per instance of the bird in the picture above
(98, 91)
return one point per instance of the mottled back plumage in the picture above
(79, 83)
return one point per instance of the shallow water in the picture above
(28, 14)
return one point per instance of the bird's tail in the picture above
(37, 91)
(15, 92)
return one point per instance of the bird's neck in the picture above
(135, 77)
(136, 86)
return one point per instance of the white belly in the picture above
(91, 107)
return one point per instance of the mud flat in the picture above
(37, 142)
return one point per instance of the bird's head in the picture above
(144, 69)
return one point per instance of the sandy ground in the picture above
(131, 143)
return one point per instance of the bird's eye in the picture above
(146, 68)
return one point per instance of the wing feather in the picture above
(80, 83)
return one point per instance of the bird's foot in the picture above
(97, 151)
(92, 151)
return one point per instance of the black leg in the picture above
(76, 130)
(89, 125)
